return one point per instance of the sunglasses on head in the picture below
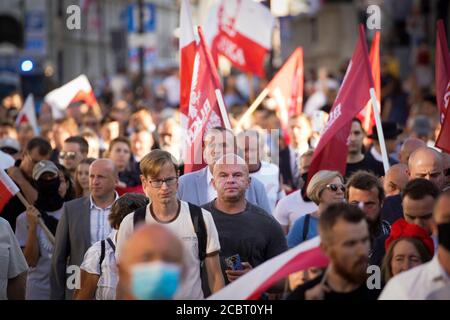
(334, 187)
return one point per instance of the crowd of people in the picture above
(111, 214)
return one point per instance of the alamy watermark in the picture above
(73, 19)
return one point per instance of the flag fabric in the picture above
(204, 111)
(251, 285)
(442, 74)
(240, 30)
(331, 152)
(8, 189)
(78, 89)
(286, 87)
(28, 114)
(187, 55)
(366, 115)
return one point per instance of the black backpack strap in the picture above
(306, 226)
(102, 254)
(111, 244)
(200, 229)
(139, 215)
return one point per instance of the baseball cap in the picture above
(10, 143)
(42, 167)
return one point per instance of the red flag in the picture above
(442, 70)
(366, 116)
(187, 55)
(204, 112)
(286, 87)
(241, 30)
(135, 189)
(7, 189)
(331, 152)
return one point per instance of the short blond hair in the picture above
(153, 161)
(319, 182)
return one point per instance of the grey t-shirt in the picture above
(253, 234)
(12, 261)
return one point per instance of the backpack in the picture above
(200, 231)
(306, 226)
(103, 251)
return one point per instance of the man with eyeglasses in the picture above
(365, 191)
(21, 173)
(160, 183)
(74, 150)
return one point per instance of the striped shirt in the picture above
(107, 283)
(100, 227)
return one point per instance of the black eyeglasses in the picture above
(334, 187)
(170, 181)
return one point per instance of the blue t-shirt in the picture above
(295, 235)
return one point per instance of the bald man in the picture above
(151, 253)
(83, 222)
(245, 230)
(427, 163)
(424, 162)
(395, 179)
(408, 147)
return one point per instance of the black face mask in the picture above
(444, 235)
(48, 196)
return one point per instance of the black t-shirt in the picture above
(361, 293)
(253, 234)
(365, 164)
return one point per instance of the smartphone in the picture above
(234, 262)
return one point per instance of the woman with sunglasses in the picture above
(324, 188)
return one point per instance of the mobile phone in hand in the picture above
(234, 262)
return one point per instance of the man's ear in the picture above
(214, 183)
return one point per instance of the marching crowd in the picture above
(109, 212)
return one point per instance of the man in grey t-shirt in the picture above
(244, 229)
(13, 266)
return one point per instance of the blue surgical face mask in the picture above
(155, 280)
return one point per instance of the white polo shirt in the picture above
(191, 286)
(423, 282)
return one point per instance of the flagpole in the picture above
(253, 107)
(41, 223)
(223, 110)
(379, 129)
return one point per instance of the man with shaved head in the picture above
(426, 162)
(395, 179)
(408, 147)
(151, 253)
(248, 235)
(83, 222)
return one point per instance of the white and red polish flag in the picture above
(331, 152)
(240, 30)
(251, 285)
(187, 55)
(442, 74)
(204, 110)
(286, 87)
(78, 89)
(28, 114)
(366, 116)
(8, 189)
